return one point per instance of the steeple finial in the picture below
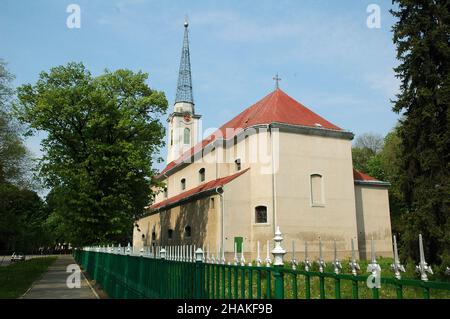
(184, 87)
(277, 80)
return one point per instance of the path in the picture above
(53, 284)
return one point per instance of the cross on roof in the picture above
(277, 80)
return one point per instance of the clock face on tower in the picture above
(187, 117)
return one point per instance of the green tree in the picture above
(102, 134)
(22, 219)
(14, 156)
(421, 35)
(390, 161)
(365, 153)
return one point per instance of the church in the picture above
(277, 163)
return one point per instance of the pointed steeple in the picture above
(184, 125)
(184, 87)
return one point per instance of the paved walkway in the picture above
(53, 284)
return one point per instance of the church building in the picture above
(277, 163)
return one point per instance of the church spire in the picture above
(184, 128)
(184, 87)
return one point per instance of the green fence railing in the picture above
(125, 275)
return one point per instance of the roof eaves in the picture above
(372, 183)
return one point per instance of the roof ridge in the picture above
(275, 107)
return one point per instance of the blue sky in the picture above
(327, 57)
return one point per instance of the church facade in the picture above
(277, 163)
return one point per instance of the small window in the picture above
(170, 233)
(211, 203)
(183, 184)
(171, 137)
(187, 136)
(201, 175)
(317, 190)
(187, 231)
(238, 164)
(166, 193)
(261, 214)
(143, 236)
(153, 236)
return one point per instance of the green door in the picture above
(238, 244)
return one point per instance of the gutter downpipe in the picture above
(160, 225)
(220, 192)
(274, 189)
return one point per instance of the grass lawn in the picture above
(16, 278)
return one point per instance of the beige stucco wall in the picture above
(199, 215)
(298, 156)
(373, 219)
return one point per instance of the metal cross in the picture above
(277, 80)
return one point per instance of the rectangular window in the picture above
(317, 190)
(211, 203)
(201, 175)
(261, 215)
(238, 164)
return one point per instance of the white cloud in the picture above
(386, 83)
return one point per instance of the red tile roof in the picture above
(199, 189)
(360, 176)
(277, 107)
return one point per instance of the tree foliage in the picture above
(366, 154)
(102, 134)
(381, 158)
(421, 35)
(14, 157)
(22, 219)
(22, 214)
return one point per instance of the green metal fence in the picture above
(125, 275)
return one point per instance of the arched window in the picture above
(201, 175)
(183, 184)
(153, 236)
(237, 164)
(187, 231)
(166, 192)
(187, 136)
(170, 233)
(317, 190)
(261, 214)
